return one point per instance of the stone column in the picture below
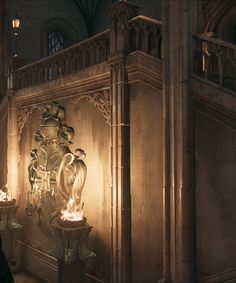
(72, 251)
(119, 14)
(2, 47)
(178, 144)
(12, 135)
(12, 150)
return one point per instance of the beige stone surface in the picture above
(146, 182)
(214, 197)
(92, 135)
(25, 278)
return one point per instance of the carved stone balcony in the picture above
(145, 35)
(79, 56)
(215, 61)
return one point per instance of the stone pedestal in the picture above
(8, 228)
(71, 250)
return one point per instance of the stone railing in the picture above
(146, 35)
(215, 61)
(84, 54)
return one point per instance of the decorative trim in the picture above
(37, 262)
(23, 115)
(100, 99)
(228, 276)
(216, 113)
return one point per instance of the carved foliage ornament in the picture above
(100, 99)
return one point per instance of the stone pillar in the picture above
(119, 14)
(8, 229)
(12, 150)
(12, 135)
(2, 47)
(71, 251)
(178, 144)
(166, 276)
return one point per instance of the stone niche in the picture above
(92, 134)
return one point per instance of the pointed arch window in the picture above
(56, 42)
(56, 35)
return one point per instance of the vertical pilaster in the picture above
(120, 13)
(2, 47)
(12, 150)
(166, 277)
(178, 145)
(12, 135)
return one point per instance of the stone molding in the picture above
(38, 262)
(227, 276)
(213, 94)
(216, 113)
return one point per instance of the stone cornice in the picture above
(225, 276)
(215, 112)
(213, 95)
(145, 68)
(87, 80)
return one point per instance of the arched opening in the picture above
(56, 34)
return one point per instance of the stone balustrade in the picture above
(214, 60)
(145, 35)
(84, 54)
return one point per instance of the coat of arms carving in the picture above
(56, 175)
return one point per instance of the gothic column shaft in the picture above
(2, 46)
(178, 145)
(12, 150)
(166, 159)
(120, 13)
(120, 162)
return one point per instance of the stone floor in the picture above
(25, 278)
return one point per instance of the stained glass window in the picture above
(55, 42)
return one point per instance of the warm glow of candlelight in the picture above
(73, 211)
(4, 197)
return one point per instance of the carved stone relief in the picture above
(56, 175)
(100, 99)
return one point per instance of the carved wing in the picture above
(71, 176)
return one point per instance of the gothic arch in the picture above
(214, 12)
(59, 25)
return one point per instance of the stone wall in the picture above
(92, 135)
(146, 182)
(214, 198)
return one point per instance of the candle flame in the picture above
(73, 211)
(4, 197)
